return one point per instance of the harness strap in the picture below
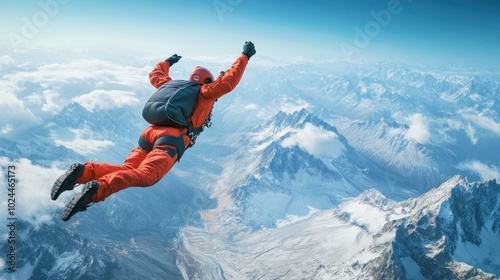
(143, 144)
(177, 142)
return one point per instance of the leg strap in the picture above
(143, 144)
(177, 142)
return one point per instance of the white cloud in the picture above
(13, 112)
(251, 106)
(484, 171)
(418, 127)
(31, 94)
(398, 116)
(291, 107)
(485, 123)
(107, 99)
(81, 141)
(453, 124)
(203, 59)
(8, 100)
(52, 100)
(32, 191)
(92, 70)
(418, 130)
(471, 133)
(6, 60)
(448, 125)
(6, 129)
(316, 141)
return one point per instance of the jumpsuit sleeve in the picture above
(160, 74)
(226, 82)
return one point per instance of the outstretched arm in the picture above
(228, 80)
(160, 73)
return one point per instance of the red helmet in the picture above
(201, 75)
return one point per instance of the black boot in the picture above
(66, 181)
(81, 201)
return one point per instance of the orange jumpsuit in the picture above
(142, 168)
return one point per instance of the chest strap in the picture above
(176, 141)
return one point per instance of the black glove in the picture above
(173, 59)
(248, 49)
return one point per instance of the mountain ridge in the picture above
(407, 239)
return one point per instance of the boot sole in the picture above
(77, 203)
(61, 185)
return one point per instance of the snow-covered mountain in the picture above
(294, 162)
(53, 252)
(388, 108)
(383, 91)
(423, 125)
(77, 134)
(451, 232)
(384, 143)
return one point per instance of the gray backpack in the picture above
(172, 105)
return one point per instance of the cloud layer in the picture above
(486, 172)
(316, 141)
(31, 94)
(32, 191)
(106, 100)
(419, 129)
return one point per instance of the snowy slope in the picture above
(422, 163)
(447, 233)
(77, 134)
(53, 252)
(291, 163)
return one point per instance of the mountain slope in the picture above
(424, 164)
(76, 134)
(447, 233)
(290, 164)
(52, 252)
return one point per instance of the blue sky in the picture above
(423, 31)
